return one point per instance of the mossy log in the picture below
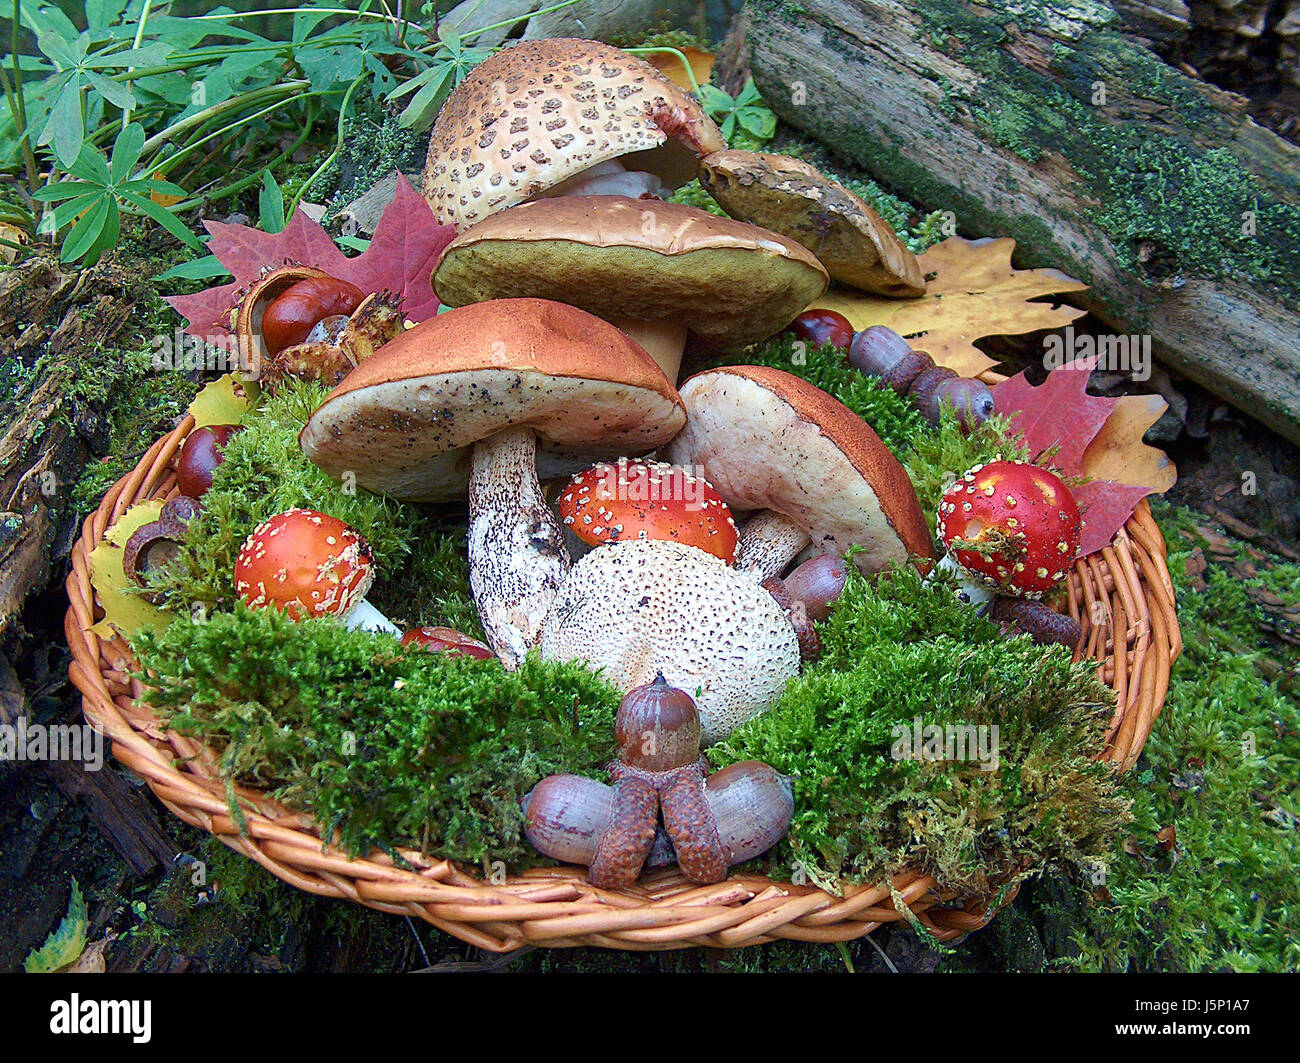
(1043, 120)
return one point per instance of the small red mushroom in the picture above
(447, 640)
(309, 564)
(1011, 525)
(644, 499)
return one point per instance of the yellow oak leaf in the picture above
(972, 290)
(124, 611)
(671, 67)
(224, 401)
(1117, 452)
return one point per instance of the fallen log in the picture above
(1047, 123)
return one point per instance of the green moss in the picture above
(1226, 896)
(901, 655)
(387, 746)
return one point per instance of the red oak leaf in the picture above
(1060, 413)
(400, 258)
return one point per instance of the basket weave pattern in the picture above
(1122, 596)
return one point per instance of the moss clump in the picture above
(264, 473)
(383, 745)
(902, 655)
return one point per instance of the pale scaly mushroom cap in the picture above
(641, 607)
(404, 421)
(789, 196)
(728, 282)
(769, 440)
(540, 112)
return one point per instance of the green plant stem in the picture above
(20, 115)
(338, 148)
(695, 84)
(504, 23)
(253, 96)
(166, 165)
(139, 36)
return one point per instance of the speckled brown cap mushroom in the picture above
(789, 196)
(810, 469)
(654, 269)
(476, 398)
(542, 112)
(643, 607)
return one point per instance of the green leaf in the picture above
(86, 231)
(108, 234)
(163, 217)
(65, 943)
(196, 269)
(89, 165)
(126, 152)
(759, 121)
(115, 92)
(64, 131)
(270, 204)
(423, 108)
(66, 190)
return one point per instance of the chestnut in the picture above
(822, 326)
(447, 640)
(291, 315)
(200, 457)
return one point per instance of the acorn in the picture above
(881, 352)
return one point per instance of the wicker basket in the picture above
(1126, 586)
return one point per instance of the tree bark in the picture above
(1051, 125)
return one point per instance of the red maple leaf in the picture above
(400, 258)
(1060, 413)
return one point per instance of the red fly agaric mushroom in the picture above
(641, 607)
(309, 564)
(1012, 526)
(647, 500)
(482, 397)
(811, 470)
(545, 112)
(653, 269)
(447, 640)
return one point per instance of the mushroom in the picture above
(653, 269)
(641, 607)
(543, 112)
(478, 398)
(854, 243)
(1011, 526)
(814, 472)
(647, 500)
(310, 564)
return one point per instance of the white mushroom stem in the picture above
(973, 592)
(664, 341)
(768, 543)
(517, 556)
(608, 178)
(366, 617)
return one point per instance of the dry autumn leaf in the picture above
(124, 611)
(224, 401)
(163, 199)
(1118, 453)
(972, 291)
(671, 66)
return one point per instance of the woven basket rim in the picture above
(1126, 584)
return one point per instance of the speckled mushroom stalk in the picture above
(709, 821)
(517, 556)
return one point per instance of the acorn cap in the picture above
(644, 259)
(405, 420)
(540, 112)
(644, 607)
(854, 243)
(769, 440)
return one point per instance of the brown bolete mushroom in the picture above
(811, 471)
(545, 112)
(478, 397)
(789, 196)
(642, 607)
(653, 269)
